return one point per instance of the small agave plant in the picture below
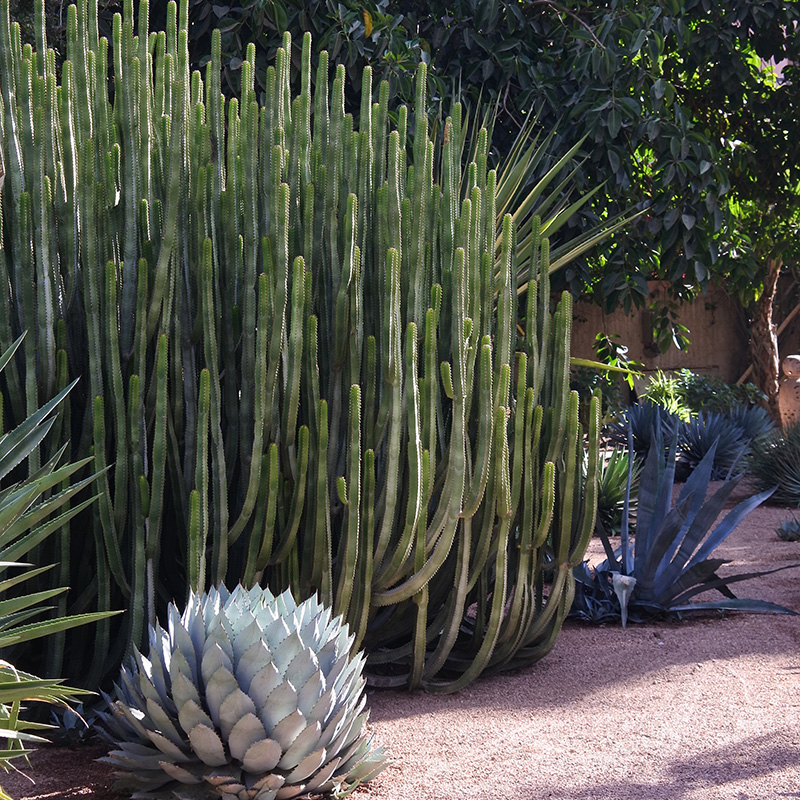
(246, 696)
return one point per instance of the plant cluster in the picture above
(670, 558)
(774, 461)
(731, 434)
(32, 509)
(687, 393)
(316, 355)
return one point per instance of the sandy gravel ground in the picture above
(707, 709)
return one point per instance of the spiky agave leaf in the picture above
(244, 695)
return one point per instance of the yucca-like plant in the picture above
(612, 487)
(245, 695)
(31, 510)
(774, 463)
(671, 559)
(306, 352)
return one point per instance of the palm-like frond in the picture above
(28, 515)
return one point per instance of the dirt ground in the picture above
(702, 709)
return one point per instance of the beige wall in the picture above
(717, 331)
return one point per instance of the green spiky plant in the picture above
(671, 559)
(246, 695)
(31, 510)
(306, 353)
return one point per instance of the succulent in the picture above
(612, 481)
(641, 419)
(789, 530)
(671, 559)
(73, 727)
(774, 461)
(246, 695)
(696, 437)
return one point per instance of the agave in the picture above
(246, 695)
(641, 419)
(671, 559)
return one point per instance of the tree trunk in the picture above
(764, 341)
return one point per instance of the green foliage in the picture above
(685, 393)
(249, 693)
(587, 380)
(666, 390)
(309, 352)
(31, 510)
(612, 487)
(774, 462)
(670, 560)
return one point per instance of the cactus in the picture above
(308, 360)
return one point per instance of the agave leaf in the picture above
(9, 583)
(288, 729)
(699, 574)
(215, 658)
(672, 564)
(24, 545)
(719, 583)
(223, 683)
(648, 492)
(726, 527)
(305, 743)
(323, 776)
(190, 715)
(262, 756)
(235, 706)
(167, 747)
(264, 684)
(280, 704)
(13, 605)
(563, 255)
(245, 733)
(208, 746)
(163, 721)
(307, 767)
(254, 660)
(183, 688)
(42, 510)
(310, 692)
(28, 433)
(650, 552)
(737, 604)
(179, 773)
(38, 629)
(302, 667)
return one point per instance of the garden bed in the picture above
(695, 710)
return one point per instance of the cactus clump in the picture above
(246, 695)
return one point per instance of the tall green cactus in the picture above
(301, 349)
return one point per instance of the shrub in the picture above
(31, 510)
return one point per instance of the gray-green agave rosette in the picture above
(246, 695)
